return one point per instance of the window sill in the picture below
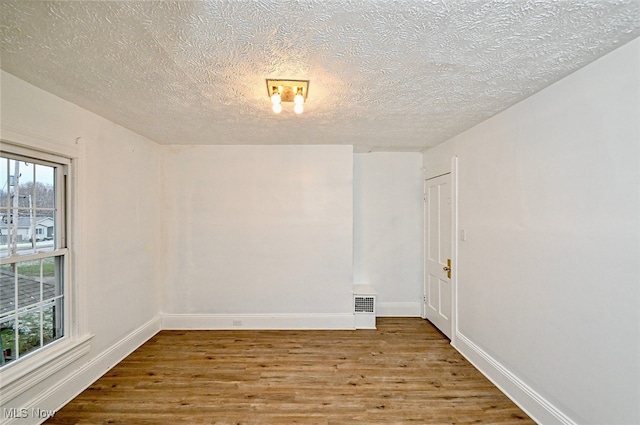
(24, 374)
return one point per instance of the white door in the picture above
(437, 295)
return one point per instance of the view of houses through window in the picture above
(32, 255)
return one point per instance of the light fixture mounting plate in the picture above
(287, 88)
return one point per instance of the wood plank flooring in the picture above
(404, 372)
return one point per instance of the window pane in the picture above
(26, 226)
(49, 324)
(4, 207)
(25, 171)
(4, 232)
(44, 232)
(4, 184)
(52, 321)
(7, 341)
(28, 283)
(7, 289)
(29, 331)
(4, 240)
(51, 277)
(52, 284)
(44, 195)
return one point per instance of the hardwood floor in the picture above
(403, 372)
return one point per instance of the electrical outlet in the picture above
(237, 323)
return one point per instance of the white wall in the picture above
(549, 275)
(387, 229)
(117, 226)
(255, 233)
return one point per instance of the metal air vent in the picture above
(364, 304)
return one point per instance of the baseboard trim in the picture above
(58, 395)
(398, 309)
(532, 403)
(293, 321)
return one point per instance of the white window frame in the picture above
(24, 373)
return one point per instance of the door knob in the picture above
(447, 268)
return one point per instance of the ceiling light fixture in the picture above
(298, 101)
(287, 91)
(276, 100)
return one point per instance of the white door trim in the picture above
(436, 171)
(454, 248)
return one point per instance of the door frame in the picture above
(429, 173)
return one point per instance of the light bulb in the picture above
(298, 108)
(277, 108)
(275, 98)
(298, 99)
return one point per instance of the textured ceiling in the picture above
(384, 75)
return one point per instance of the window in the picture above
(33, 253)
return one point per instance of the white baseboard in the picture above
(258, 321)
(532, 403)
(398, 309)
(58, 395)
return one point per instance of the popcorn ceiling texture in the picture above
(385, 75)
